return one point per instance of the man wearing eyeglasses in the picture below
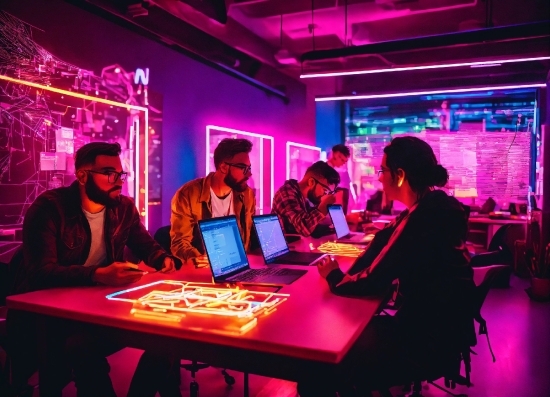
(75, 236)
(222, 192)
(302, 205)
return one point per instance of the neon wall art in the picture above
(50, 108)
(50, 138)
(299, 157)
(200, 306)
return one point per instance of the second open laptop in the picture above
(273, 244)
(341, 228)
(227, 256)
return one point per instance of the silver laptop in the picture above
(273, 244)
(341, 228)
(227, 256)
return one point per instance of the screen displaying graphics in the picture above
(224, 245)
(201, 307)
(339, 221)
(271, 236)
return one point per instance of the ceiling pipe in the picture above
(512, 32)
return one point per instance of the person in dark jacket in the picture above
(424, 250)
(75, 236)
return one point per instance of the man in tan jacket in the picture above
(221, 193)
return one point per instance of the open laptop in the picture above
(273, 244)
(342, 230)
(227, 256)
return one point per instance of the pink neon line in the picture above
(424, 67)
(414, 93)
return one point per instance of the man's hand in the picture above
(326, 200)
(326, 265)
(117, 273)
(168, 266)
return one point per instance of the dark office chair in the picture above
(342, 197)
(162, 236)
(4, 369)
(8, 371)
(374, 203)
(500, 253)
(484, 278)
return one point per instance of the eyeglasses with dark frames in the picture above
(325, 187)
(381, 171)
(245, 168)
(112, 176)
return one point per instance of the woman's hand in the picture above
(326, 265)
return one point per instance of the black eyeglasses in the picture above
(381, 171)
(325, 187)
(112, 176)
(246, 168)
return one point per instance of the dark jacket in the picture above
(192, 203)
(57, 239)
(431, 262)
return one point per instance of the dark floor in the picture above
(520, 336)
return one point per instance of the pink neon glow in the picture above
(301, 145)
(414, 93)
(424, 67)
(261, 167)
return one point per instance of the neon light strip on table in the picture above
(340, 249)
(200, 306)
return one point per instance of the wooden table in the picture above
(313, 327)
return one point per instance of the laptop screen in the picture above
(223, 245)
(339, 220)
(270, 235)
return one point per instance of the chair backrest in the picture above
(467, 211)
(4, 282)
(374, 203)
(342, 197)
(498, 242)
(162, 236)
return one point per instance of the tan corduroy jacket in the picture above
(191, 203)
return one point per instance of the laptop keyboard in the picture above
(255, 274)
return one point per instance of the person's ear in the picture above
(311, 182)
(400, 177)
(224, 168)
(81, 176)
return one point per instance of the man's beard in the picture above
(99, 196)
(237, 186)
(313, 199)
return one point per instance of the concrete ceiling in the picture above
(252, 36)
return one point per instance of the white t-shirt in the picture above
(221, 207)
(98, 252)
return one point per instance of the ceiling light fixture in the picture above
(423, 67)
(433, 92)
(283, 56)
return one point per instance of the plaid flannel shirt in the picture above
(295, 213)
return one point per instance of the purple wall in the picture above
(194, 94)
